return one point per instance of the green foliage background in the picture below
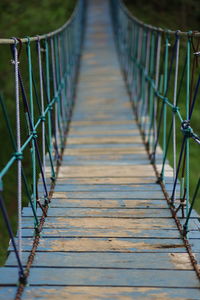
(171, 14)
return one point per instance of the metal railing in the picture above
(161, 69)
(44, 100)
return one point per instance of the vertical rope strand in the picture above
(42, 110)
(34, 179)
(19, 154)
(174, 112)
(158, 53)
(55, 95)
(187, 118)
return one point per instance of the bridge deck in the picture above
(109, 233)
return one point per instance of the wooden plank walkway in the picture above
(109, 233)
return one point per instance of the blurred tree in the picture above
(186, 12)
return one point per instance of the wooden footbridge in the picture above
(108, 231)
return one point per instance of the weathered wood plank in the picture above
(159, 261)
(104, 162)
(107, 245)
(104, 140)
(86, 150)
(99, 203)
(60, 186)
(102, 133)
(75, 128)
(111, 195)
(103, 212)
(112, 157)
(104, 277)
(108, 180)
(111, 293)
(85, 222)
(114, 123)
(110, 277)
(108, 232)
(112, 147)
(7, 293)
(108, 171)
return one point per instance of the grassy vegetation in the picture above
(181, 15)
(19, 19)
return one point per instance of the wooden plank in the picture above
(110, 277)
(107, 232)
(112, 232)
(7, 293)
(74, 128)
(107, 187)
(104, 277)
(110, 195)
(106, 245)
(103, 151)
(65, 187)
(156, 261)
(109, 157)
(111, 293)
(112, 147)
(104, 162)
(98, 203)
(74, 133)
(103, 212)
(104, 140)
(108, 180)
(128, 223)
(108, 171)
(104, 123)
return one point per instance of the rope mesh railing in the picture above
(45, 76)
(161, 69)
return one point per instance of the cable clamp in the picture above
(57, 98)
(53, 178)
(157, 94)
(165, 100)
(42, 49)
(185, 230)
(197, 53)
(175, 109)
(42, 118)
(46, 201)
(18, 155)
(13, 62)
(34, 134)
(160, 179)
(145, 73)
(23, 279)
(186, 129)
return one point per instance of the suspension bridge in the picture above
(108, 217)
